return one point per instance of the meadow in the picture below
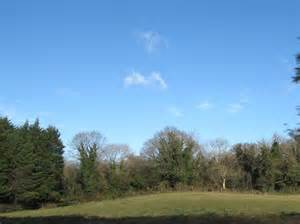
(187, 207)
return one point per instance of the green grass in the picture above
(176, 204)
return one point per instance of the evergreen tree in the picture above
(265, 180)
(295, 133)
(53, 164)
(26, 187)
(277, 165)
(39, 165)
(296, 78)
(246, 155)
(7, 161)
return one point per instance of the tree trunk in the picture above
(224, 184)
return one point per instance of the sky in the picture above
(219, 69)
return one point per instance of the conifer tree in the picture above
(296, 78)
(7, 161)
(39, 165)
(55, 163)
(26, 187)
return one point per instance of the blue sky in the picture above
(130, 68)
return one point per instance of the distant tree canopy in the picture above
(33, 172)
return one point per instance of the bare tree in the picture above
(86, 141)
(219, 151)
(218, 147)
(114, 153)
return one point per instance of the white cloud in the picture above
(138, 79)
(135, 79)
(152, 41)
(235, 107)
(205, 106)
(156, 77)
(176, 112)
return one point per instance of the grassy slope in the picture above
(176, 204)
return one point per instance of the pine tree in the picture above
(7, 161)
(296, 78)
(39, 165)
(27, 161)
(277, 165)
(265, 169)
(55, 163)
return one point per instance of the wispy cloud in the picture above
(206, 105)
(135, 79)
(138, 79)
(241, 104)
(235, 107)
(175, 111)
(152, 41)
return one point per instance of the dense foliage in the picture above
(174, 160)
(33, 171)
(31, 164)
(297, 76)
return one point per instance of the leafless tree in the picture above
(219, 151)
(85, 142)
(114, 153)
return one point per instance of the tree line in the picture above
(33, 170)
(174, 160)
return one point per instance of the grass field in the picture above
(188, 207)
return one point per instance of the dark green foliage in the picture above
(296, 78)
(295, 133)
(247, 159)
(88, 170)
(32, 169)
(7, 162)
(31, 166)
(54, 164)
(265, 170)
(28, 172)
